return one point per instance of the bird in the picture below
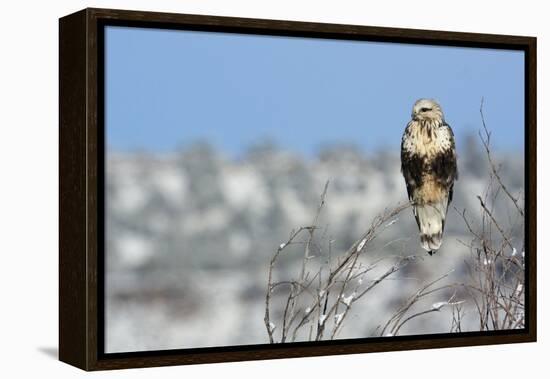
(429, 167)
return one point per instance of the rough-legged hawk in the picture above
(428, 163)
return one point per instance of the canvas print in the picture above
(273, 189)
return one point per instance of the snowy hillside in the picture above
(190, 234)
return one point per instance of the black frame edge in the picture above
(531, 174)
(73, 335)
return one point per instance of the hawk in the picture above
(428, 163)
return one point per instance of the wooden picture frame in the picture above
(81, 165)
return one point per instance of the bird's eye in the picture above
(425, 109)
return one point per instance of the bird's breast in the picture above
(426, 140)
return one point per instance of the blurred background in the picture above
(218, 145)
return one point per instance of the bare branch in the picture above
(486, 143)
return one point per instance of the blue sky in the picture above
(166, 89)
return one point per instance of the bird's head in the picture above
(427, 109)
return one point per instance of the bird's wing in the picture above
(412, 168)
(444, 165)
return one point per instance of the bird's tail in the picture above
(431, 221)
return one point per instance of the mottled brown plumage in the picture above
(428, 164)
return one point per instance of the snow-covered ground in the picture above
(190, 236)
